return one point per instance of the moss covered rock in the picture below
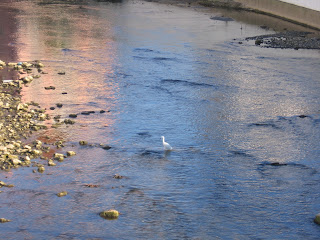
(62, 194)
(109, 214)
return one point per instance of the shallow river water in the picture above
(229, 110)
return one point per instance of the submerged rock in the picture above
(50, 88)
(91, 185)
(117, 176)
(105, 146)
(109, 214)
(317, 219)
(83, 143)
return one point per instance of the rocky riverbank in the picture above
(292, 39)
(20, 120)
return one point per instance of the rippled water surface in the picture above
(244, 123)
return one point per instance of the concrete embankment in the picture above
(308, 15)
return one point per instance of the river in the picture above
(244, 122)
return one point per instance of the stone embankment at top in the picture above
(307, 13)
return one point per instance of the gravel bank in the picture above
(292, 39)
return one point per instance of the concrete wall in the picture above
(311, 4)
(289, 11)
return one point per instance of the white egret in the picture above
(166, 145)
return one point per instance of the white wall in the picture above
(312, 4)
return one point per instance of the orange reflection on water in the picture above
(83, 50)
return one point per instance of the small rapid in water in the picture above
(243, 121)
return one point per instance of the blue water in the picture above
(244, 123)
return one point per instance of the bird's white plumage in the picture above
(166, 145)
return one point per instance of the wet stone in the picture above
(50, 88)
(62, 194)
(91, 185)
(117, 176)
(3, 220)
(69, 121)
(110, 214)
(51, 163)
(71, 153)
(278, 164)
(85, 113)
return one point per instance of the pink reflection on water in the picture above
(87, 55)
